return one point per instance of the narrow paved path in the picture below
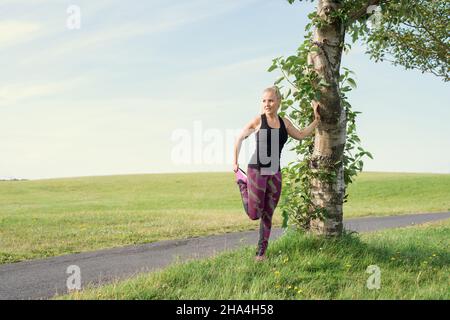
(42, 279)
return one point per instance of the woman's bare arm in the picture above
(300, 134)
(248, 129)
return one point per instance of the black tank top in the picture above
(262, 157)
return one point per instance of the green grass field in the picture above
(44, 218)
(414, 263)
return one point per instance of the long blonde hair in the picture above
(277, 93)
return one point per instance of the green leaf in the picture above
(272, 67)
(354, 37)
(352, 82)
(346, 89)
(278, 80)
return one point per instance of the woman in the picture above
(261, 187)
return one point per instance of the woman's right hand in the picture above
(235, 167)
(316, 108)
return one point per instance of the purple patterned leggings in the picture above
(260, 196)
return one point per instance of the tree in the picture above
(416, 34)
(315, 186)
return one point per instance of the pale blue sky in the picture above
(107, 98)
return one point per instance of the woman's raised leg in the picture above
(253, 193)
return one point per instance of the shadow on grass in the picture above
(351, 245)
(316, 265)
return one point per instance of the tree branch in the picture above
(437, 40)
(287, 78)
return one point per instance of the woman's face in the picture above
(270, 103)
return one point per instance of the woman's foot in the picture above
(260, 258)
(241, 176)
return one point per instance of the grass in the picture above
(44, 218)
(381, 194)
(414, 263)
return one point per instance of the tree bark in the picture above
(330, 137)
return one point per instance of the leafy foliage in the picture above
(304, 87)
(412, 33)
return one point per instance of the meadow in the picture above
(410, 263)
(50, 217)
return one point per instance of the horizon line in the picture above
(180, 172)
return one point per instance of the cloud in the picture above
(14, 31)
(5, 2)
(258, 65)
(163, 20)
(232, 76)
(12, 93)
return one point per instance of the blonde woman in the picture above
(260, 188)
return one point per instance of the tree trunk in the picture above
(330, 136)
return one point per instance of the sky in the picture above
(165, 86)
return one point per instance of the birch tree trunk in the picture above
(330, 136)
